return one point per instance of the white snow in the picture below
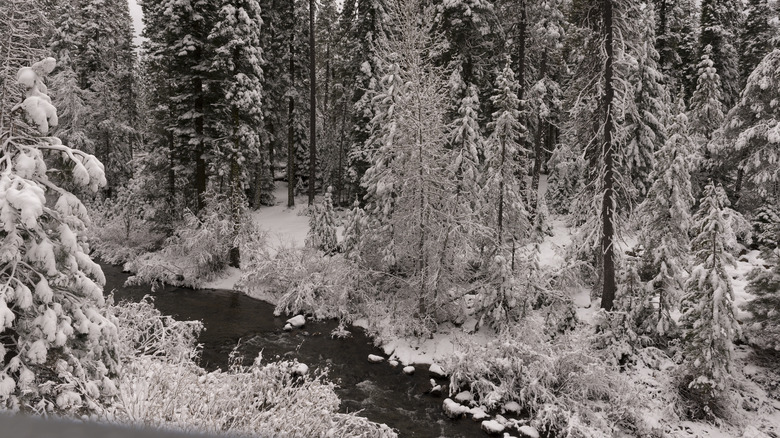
(409, 370)
(464, 397)
(528, 431)
(453, 409)
(437, 371)
(478, 413)
(301, 369)
(512, 407)
(492, 426)
(297, 321)
(373, 358)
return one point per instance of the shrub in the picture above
(162, 386)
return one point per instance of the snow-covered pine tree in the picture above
(543, 98)
(466, 146)
(755, 37)
(322, 225)
(237, 62)
(646, 117)
(719, 28)
(665, 222)
(763, 326)
(57, 342)
(354, 227)
(504, 203)
(708, 322)
(706, 108)
(752, 131)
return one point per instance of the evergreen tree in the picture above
(706, 109)
(754, 37)
(237, 62)
(752, 131)
(763, 327)
(708, 321)
(720, 21)
(355, 226)
(665, 224)
(57, 342)
(646, 117)
(503, 193)
(322, 225)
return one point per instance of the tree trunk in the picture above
(541, 126)
(608, 204)
(312, 107)
(200, 147)
(291, 134)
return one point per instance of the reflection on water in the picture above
(383, 393)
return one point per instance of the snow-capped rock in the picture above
(492, 427)
(528, 432)
(454, 410)
(436, 389)
(297, 321)
(287, 327)
(437, 371)
(393, 362)
(409, 370)
(512, 407)
(301, 369)
(464, 397)
(373, 358)
(478, 413)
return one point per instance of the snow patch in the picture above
(297, 321)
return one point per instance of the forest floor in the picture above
(755, 393)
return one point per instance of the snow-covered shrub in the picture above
(121, 232)
(162, 386)
(322, 225)
(565, 386)
(198, 249)
(354, 227)
(763, 328)
(766, 226)
(57, 343)
(302, 281)
(145, 331)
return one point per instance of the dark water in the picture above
(382, 393)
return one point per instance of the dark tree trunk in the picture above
(312, 107)
(200, 147)
(608, 204)
(291, 131)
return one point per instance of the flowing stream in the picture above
(381, 392)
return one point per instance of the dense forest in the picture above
(587, 192)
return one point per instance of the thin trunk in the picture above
(521, 81)
(200, 147)
(291, 134)
(541, 126)
(171, 171)
(500, 218)
(608, 204)
(340, 184)
(312, 107)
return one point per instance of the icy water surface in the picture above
(383, 393)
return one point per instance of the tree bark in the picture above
(608, 203)
(312, 107)
(291, 126)
(200, 147)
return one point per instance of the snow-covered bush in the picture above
(121, 232)
(198, 250)
(766, 226)
(354, 227)
(322, 225)
(162, 386)
(566, 386)
(763, 328)
(302, 281)
(57, 343)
